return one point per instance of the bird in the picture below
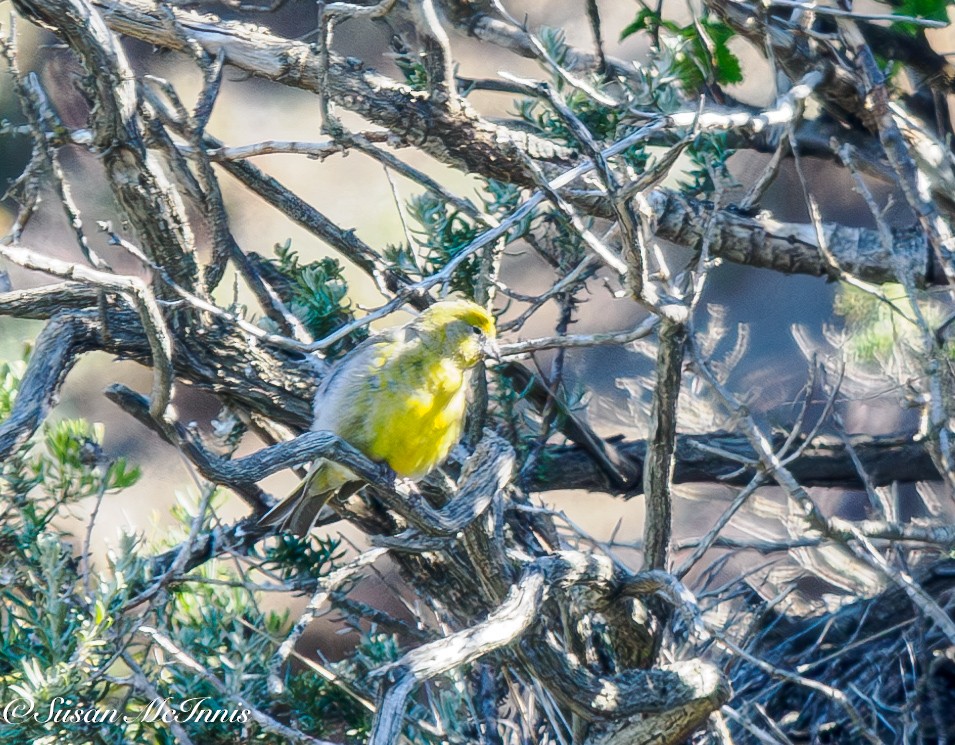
(400, 397)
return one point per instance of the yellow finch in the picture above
(400, 397)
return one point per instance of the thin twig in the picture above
(140, 297)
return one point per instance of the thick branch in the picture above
(458, 137)
(44, 302)
(465, 141)
(478, 20)
(500, 628)
(218, 358)
(629, 693)
(695, 687)
(676, 724)
(658, 468)
(486, 472)
(792, 248)
(825, 462)
(55, 352)
(135, 291)
(255, 467)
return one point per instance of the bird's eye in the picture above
(476, 330)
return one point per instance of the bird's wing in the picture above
(335, 411)
(336, 395)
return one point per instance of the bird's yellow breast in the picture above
(414, 426)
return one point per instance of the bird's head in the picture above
(458, 329)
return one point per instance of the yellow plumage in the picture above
(400, 397)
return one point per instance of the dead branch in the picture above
(63, 339)
(759, 241)
(150, 202)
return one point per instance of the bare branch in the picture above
(328, 585)
(55, 351)
(150, 202)
(139, 296)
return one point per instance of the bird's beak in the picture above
(490, 349)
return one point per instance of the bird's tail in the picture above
(298, 512)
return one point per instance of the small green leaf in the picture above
(930, 10)
(728, 68)
(645, 20)
(319, 296)
(701, 60)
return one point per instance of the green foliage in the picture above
(56, 617)
(708, 154)
(931, 10)
(411, 68)
(294, 557)
(218, 623)
(322, 709)
(874, 327)
(601, 121)
(701, 52)
(501, 198)
(322, 698)
(319, 296)
(605, 123)
(76, 662)
(883, 329)
(72, 467)
(10, 375)
(693, 56)
(441, 232)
